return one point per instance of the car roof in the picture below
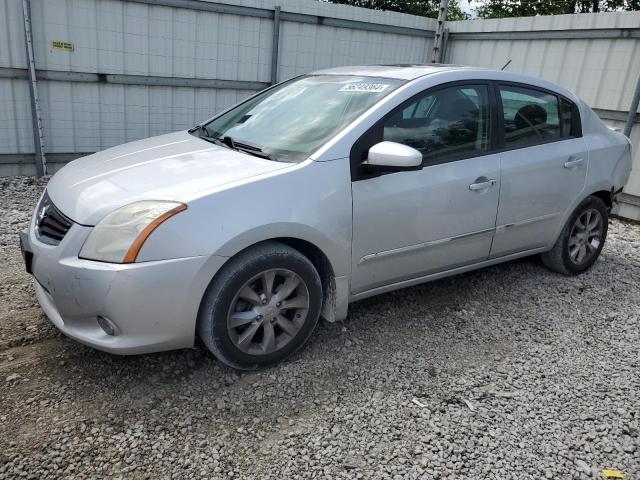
(402, 72)
(411, 72)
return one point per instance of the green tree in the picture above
(526, 8)
(424, 8)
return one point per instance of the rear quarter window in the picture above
(569, 119)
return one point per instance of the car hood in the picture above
(169, 167)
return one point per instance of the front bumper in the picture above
(154, 305)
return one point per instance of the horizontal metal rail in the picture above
(60, 76)
(578, 34)
(630, 199)
(154, 81)
(27, 158)
(615, 115)
(210, 7)
(256, 12)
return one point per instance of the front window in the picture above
(444, 124)
(289, 122)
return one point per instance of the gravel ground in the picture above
(511, 372)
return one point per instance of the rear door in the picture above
(543, 166)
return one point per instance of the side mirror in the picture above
(394, 156)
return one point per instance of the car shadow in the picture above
(455, 320)
(438, 298)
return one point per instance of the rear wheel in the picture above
(261, 307)
(581, 239)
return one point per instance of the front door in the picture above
(412, 223)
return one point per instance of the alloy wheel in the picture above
(268, 311)
(586, 236)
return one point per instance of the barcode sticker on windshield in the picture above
(365, 87)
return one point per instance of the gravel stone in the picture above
(550, 364)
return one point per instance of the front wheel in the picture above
(581, 239)
(261, 307)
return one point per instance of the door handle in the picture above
(576, 162)
(474, 187)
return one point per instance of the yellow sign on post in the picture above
(66, 46)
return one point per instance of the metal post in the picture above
(38, 134)
(445, 47)
(633, 110)
(436, 55)
(275, 45)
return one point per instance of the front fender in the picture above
(337, 253)
(310, 202)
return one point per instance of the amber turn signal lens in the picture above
(133, 251)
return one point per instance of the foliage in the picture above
(525, 8)
(495, 8)
(424, 8)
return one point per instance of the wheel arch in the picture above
(605, 195)
(315, 255)
(310, 249)
(336, 252)
(558, 257)
(600, 191)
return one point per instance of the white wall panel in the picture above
(306, 47)
(87, 117)
(15, 117)
(111, 36)
(12, 51)
(603, 72)
(116, 37)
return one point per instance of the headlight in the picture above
(119, 236)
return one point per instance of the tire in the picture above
(562, 258)
(248, 325)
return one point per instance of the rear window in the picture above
(530, 116)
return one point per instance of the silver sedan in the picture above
(320, 191)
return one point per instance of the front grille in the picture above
(51, 224)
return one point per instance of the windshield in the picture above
(290, 121)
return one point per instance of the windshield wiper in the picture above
(257, 153)
(205, 135)
(211, 140)
(202, 132)
(200, 128)
(245, 148)
(229, 142)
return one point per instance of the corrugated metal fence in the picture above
(112, 71)
(145, 67)
(597, 56)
